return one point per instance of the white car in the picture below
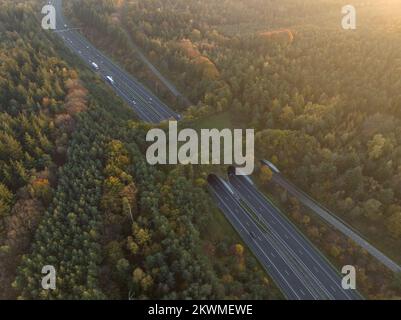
(110, 79)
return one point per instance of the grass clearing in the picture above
(219, 121)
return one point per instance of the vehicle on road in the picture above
(110, 79)
(124, 84)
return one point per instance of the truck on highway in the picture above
(110, 79)
(95, 66)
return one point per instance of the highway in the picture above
(294, 264)
(287, 279)
(305, 257)
(144, 103)
(330, 218)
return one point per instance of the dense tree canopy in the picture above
(325, 102)
(76, 192)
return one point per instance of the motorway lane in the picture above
(322, 275)
(334, 221)
(151, 109)
(122, 88)
(71, 39)
(135, 89)
(147, 106)
(143, 116)
(286, 249)
(89, 56)
(261, 244)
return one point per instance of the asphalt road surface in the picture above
(304, 256)
(288, 280)
(297, 268)
(144, 103)
(331, 219)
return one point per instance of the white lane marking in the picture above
(148, 117)
(261, 250)
(329, 275)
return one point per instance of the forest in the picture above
(325, 102)
(77, 193)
